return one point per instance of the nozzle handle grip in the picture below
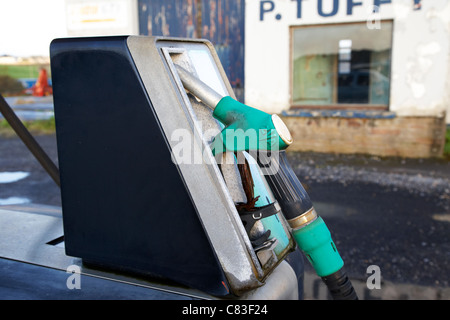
(287, 189)
(315, 241)
(309, 231)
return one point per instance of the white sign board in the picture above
(101, 17)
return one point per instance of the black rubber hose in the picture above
(339, 286)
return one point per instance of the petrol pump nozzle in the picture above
(268, 132)
(308, 229)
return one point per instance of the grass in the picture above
(447, 143)
(36, 127)
(20, 71)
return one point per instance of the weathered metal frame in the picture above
(216, 210)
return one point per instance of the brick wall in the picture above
(417, 137)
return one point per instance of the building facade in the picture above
(348, 76)
(353, 76)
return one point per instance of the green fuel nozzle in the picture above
(250, 129)
(246, 128)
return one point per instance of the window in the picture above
(341, 66)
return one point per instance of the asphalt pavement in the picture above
(31, 108)
(392, 213)
(385, 212)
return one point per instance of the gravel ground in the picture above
(390, 212)
(419, 177)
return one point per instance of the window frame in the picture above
(335, 106)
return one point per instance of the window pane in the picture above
(341, 64)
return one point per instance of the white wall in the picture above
(420, 59)
(420, 82)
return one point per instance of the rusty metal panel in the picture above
(220, 21)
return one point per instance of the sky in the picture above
(28, 26)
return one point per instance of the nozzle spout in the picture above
(198, 88)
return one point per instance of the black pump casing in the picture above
(125, 204)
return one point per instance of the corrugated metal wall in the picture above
(220, 21)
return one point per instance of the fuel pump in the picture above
(141, 191)
(308, 228)
(118, 152)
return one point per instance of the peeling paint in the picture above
(220, 21)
